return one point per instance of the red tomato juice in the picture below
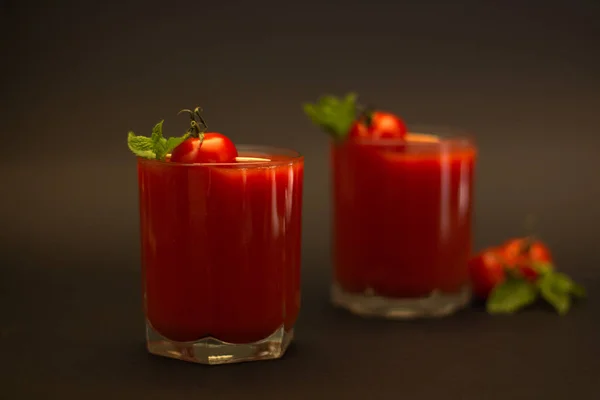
(402, 215)
(221, 247)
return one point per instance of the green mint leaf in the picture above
(157, 134)
(560, 301)
(141, 146)
(166, 146)
(156, 146)
(556, 291)
(159, 141)
(578, 291)
(334, 115)
(173, 142)
(543, 268)
(567, 284)
(510, 296)
(160, 147)
(560, 282)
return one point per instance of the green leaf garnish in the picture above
(155, 147)
(510, 296)
(578, 291)
(556, 292)
(557, 288)
(332, 114)
(141, 146)
(543, 268)
(157, 132)
(517, 292)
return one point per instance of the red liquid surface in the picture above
(402, 216)
(221, 248)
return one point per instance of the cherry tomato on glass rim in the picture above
(378, 124)
(201, 147)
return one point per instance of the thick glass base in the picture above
(213, 351)
(367, 304)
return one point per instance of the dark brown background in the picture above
(524, 76)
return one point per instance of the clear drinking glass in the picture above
(402, 213)
(221, 255)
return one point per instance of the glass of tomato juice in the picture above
(402, 213)
(220, 247)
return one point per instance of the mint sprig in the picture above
(332, 114)
(510, 296)
(557, 289)
(155, 147)
(141, 146)
(517, 292)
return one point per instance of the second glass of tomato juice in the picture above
(402, 213)
(220, 241)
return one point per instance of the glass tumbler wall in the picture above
(402, 214)
(221, 255)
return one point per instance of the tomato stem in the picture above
(365, 114)
(197, 125)
(526, 245)
(530, 222)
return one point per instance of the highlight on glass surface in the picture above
(402, 213)
(220, 245)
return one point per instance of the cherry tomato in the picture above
(379, 125)
(214, 148)
(522, 253)
(525, 268)
(534, 250)
(486, 270)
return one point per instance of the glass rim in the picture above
(462, 139)
(290, 156)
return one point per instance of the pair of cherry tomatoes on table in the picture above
(520, 256)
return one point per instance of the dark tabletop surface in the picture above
(70, 332)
